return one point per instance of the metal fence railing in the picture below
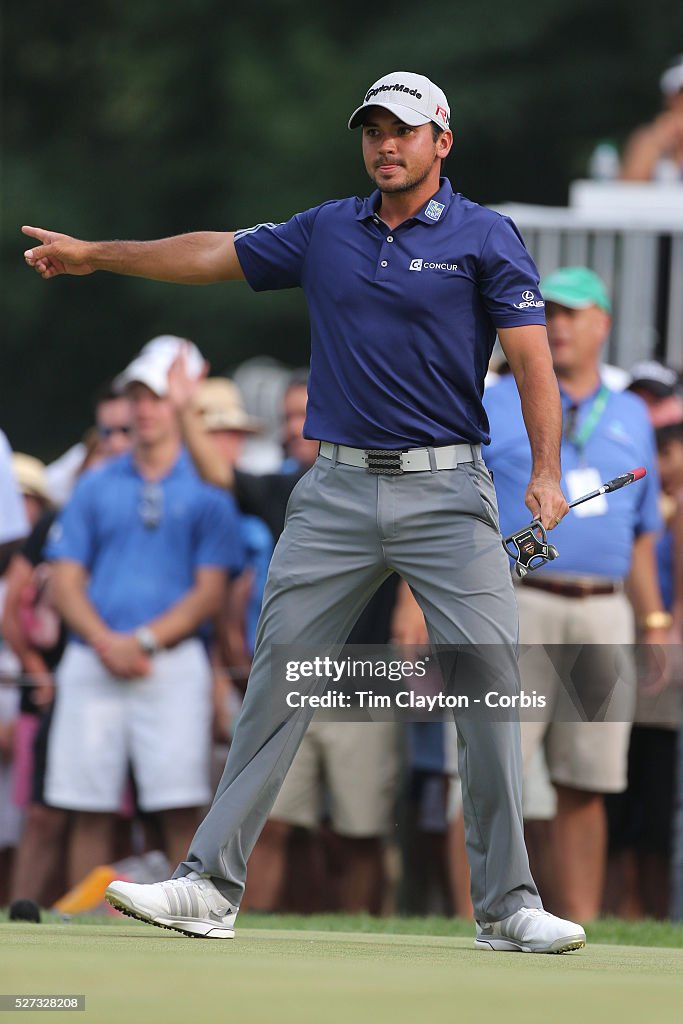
(640, 258)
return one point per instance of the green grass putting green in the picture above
(328, 970)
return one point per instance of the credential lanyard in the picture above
(579, 438)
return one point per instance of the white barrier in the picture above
(632, 236)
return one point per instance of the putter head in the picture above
(530, 548)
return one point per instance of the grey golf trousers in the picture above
(346, 530)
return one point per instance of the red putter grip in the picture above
(621, 481)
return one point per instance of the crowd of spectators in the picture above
(131, 580)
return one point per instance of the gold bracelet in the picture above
(656, 620)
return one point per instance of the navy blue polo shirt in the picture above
(137, 571)
(403, 320)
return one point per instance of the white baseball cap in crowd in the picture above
(153, 362)
(657, 378)
(671, 81)
(413, 98)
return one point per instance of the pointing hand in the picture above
(57, 254)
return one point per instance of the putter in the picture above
(529, 546)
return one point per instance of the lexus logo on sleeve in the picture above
(529, 301)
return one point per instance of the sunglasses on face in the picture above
(106, 432)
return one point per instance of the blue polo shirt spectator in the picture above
(621, 439)
(433, 291)
(258, 550)
(141, 542)
(666, 559)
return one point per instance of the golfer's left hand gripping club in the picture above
(529, 546)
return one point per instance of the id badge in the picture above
(582, 481)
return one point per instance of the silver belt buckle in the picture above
(384, 461)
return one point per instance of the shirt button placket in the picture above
(383, 268)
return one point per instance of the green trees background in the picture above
(135, 120)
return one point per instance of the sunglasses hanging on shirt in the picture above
(151, 507)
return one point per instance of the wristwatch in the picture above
(147, 641)
(656, 620)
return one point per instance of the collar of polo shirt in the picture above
(443, 197)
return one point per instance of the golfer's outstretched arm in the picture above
(201, 257)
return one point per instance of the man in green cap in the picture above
(576, 606)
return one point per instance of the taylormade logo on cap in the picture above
(391, 88)
(412, 98)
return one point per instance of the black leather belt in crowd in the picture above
(573, 586)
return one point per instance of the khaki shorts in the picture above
(590, 756)
(356, 764)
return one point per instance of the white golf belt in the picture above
(414, 460)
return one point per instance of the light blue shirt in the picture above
(623, 439)
(137, 571)
(665, 567)
(258, 551)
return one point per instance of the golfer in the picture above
(406, 291)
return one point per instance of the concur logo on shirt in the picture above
(426, 265)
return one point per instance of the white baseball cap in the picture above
(413, 98)
(671, 81)
(151, 365)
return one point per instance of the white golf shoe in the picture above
(192, 905)
(531, 931)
